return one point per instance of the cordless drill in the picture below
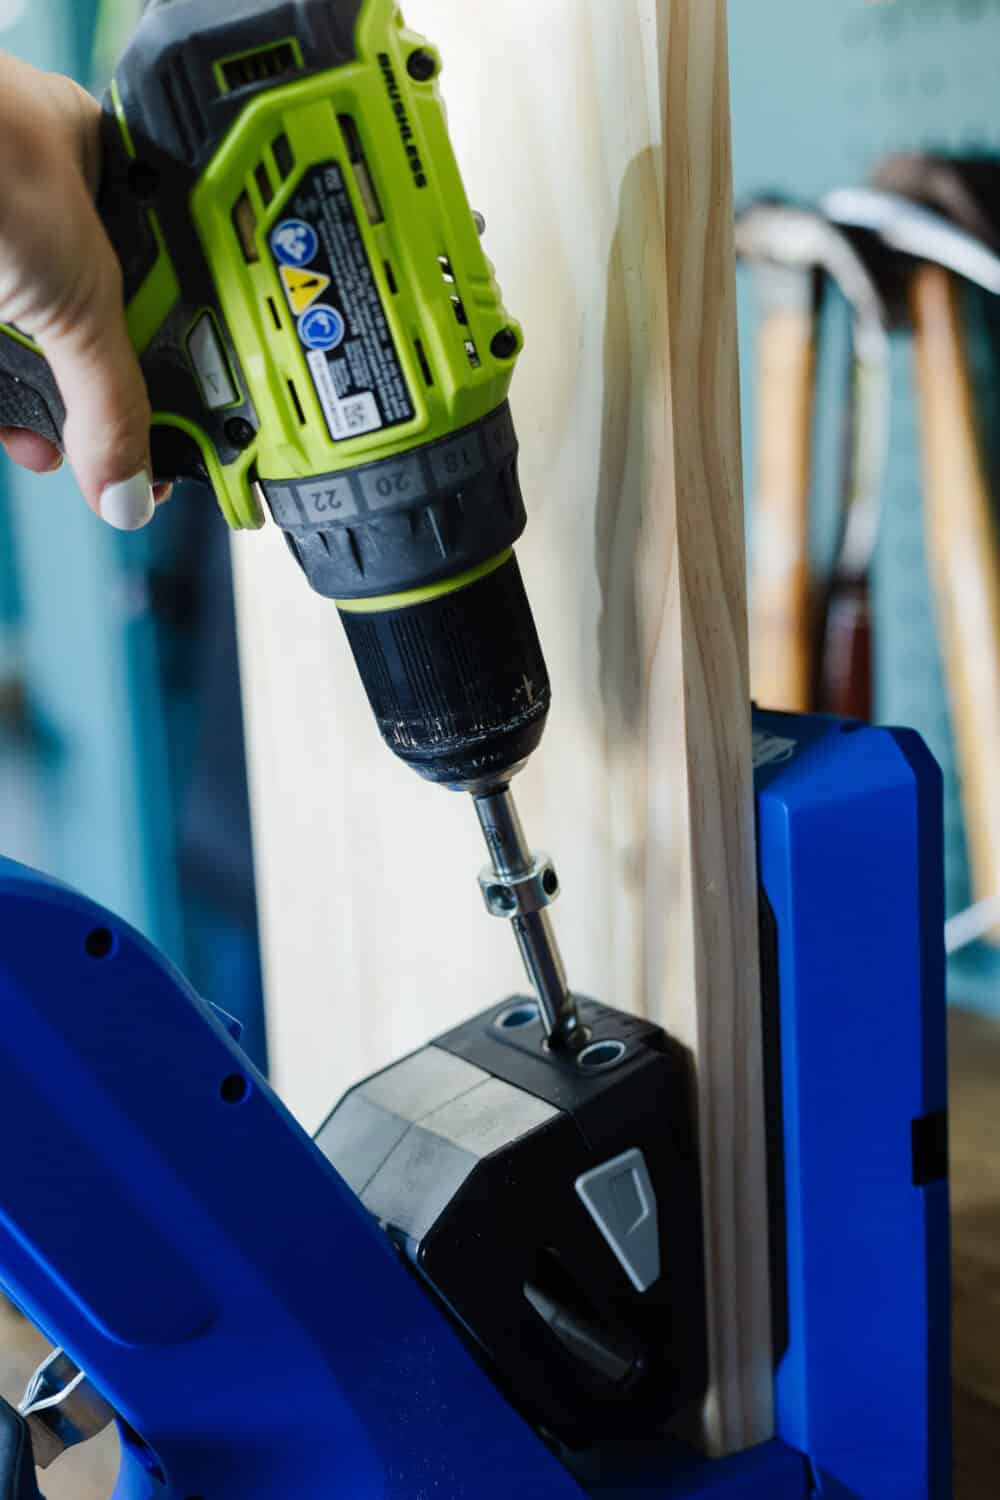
(323, 338)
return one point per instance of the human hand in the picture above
(61, 283)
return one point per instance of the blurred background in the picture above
(122, 765)
(823, 97)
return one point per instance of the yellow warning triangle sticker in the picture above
(303, 287)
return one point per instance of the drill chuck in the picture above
(458, 683)
(416, 551)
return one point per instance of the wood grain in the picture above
(703, 982)
(965, 563)
(782, 665)
(595, 139)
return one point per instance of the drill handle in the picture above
(30, 400)
(29, 396)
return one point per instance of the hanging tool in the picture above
(961, 531)
(322, 337)
(965, 190)
(781, 245)
(811, 644)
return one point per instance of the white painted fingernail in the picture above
(129, 505)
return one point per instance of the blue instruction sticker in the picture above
(295, 243)
(322, 327)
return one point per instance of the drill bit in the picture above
(520, 886)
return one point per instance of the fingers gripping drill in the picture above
(323, 339)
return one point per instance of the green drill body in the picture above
(323, 337)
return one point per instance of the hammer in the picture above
(961, 534)
(793, 633)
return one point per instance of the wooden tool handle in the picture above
(965, 565)
(845, 671)
(781, 612)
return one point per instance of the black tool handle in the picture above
(17, 1459)
(29, 396)
(30, 399)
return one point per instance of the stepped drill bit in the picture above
(519, 886)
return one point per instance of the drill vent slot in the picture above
(284, 156)
(245, 224)
(459, 309)
(296, 403)
(424, 366)
(390, 277)
(263, 65)
(183, 107)
(275, 315)
(362, 174)
(263, 179)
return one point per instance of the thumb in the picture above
(106, 435)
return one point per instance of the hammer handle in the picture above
(845, 669)
(964, 561)
(845, 636)
(781, 649)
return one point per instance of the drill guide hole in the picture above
(600, 1055)
(518, 1016)
(235, 1089)
(550, 882)
(100, 943)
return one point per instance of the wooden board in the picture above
(595, 139)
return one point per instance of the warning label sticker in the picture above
(341, 323)
(303, 288)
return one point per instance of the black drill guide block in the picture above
(470, 1153)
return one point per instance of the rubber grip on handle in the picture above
(29, 396)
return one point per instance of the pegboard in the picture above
(820, 94)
